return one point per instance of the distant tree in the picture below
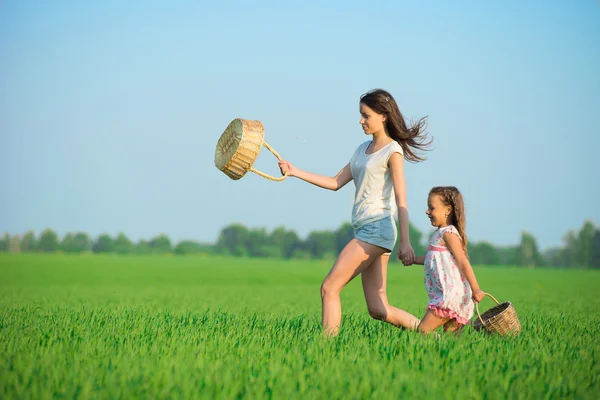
(554, 257)
(578, 247)
(257, 243)
(123, 245)
(284, 242)
(571, 253)
(160, 244)
(290, 243)
(527, 253)
(301, 253)
(416, 239)
(48, 241)
(143, 247)
(75, 243)
(104, 244)
(508, 255)
(483, 253)
(342, 236)
(232, 240)
(191, 247)
(276, 241)
(5, 242)
(81, 242)
(585, 237)
(66, 243)
(15, 244)
(28, 243)
(595, 250)
(320, 243)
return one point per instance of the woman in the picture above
(377, 168)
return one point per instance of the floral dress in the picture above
(448, 290)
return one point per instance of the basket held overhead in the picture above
(501, 319)
(239, 146)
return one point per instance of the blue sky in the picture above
(110, 112)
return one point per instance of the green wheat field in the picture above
(168, 327)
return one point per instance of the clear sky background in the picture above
(110, 111)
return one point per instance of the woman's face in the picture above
(370, 121)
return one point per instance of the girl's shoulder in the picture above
(436, 237)
(450, 229)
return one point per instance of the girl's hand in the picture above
(406, 254)
(287, 168)
(478, 295)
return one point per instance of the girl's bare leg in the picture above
(354, 259)
(374, 280)
(431, 322)
(454, 327)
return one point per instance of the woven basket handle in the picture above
(272, 150)
(477, 306)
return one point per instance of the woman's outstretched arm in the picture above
(396, 166)
(326, 182)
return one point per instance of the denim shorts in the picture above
(382, 233)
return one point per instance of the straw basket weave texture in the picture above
(501, 319)
(239, 146)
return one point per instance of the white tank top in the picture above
(374, 196)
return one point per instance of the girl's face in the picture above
(370, 121)
(437, 211)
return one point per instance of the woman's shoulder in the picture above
(390, 149)
(360, 149)
(362, 146)
(395, 147)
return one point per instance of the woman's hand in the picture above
(406, 254)
(287, 168)
(478, 295)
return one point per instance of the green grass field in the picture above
(203, 327)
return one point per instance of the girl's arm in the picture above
(332, 183)
(419, 260)
(454, 244)
(396, 166)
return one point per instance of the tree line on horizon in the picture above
(581, 249)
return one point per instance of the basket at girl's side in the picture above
(501, 319)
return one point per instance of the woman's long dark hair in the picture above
(411, 138)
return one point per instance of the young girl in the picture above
(377, 168)
(449, 278)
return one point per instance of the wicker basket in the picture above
(501, 319)
(239, 146)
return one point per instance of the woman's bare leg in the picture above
(354, 259)
(374, 280)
